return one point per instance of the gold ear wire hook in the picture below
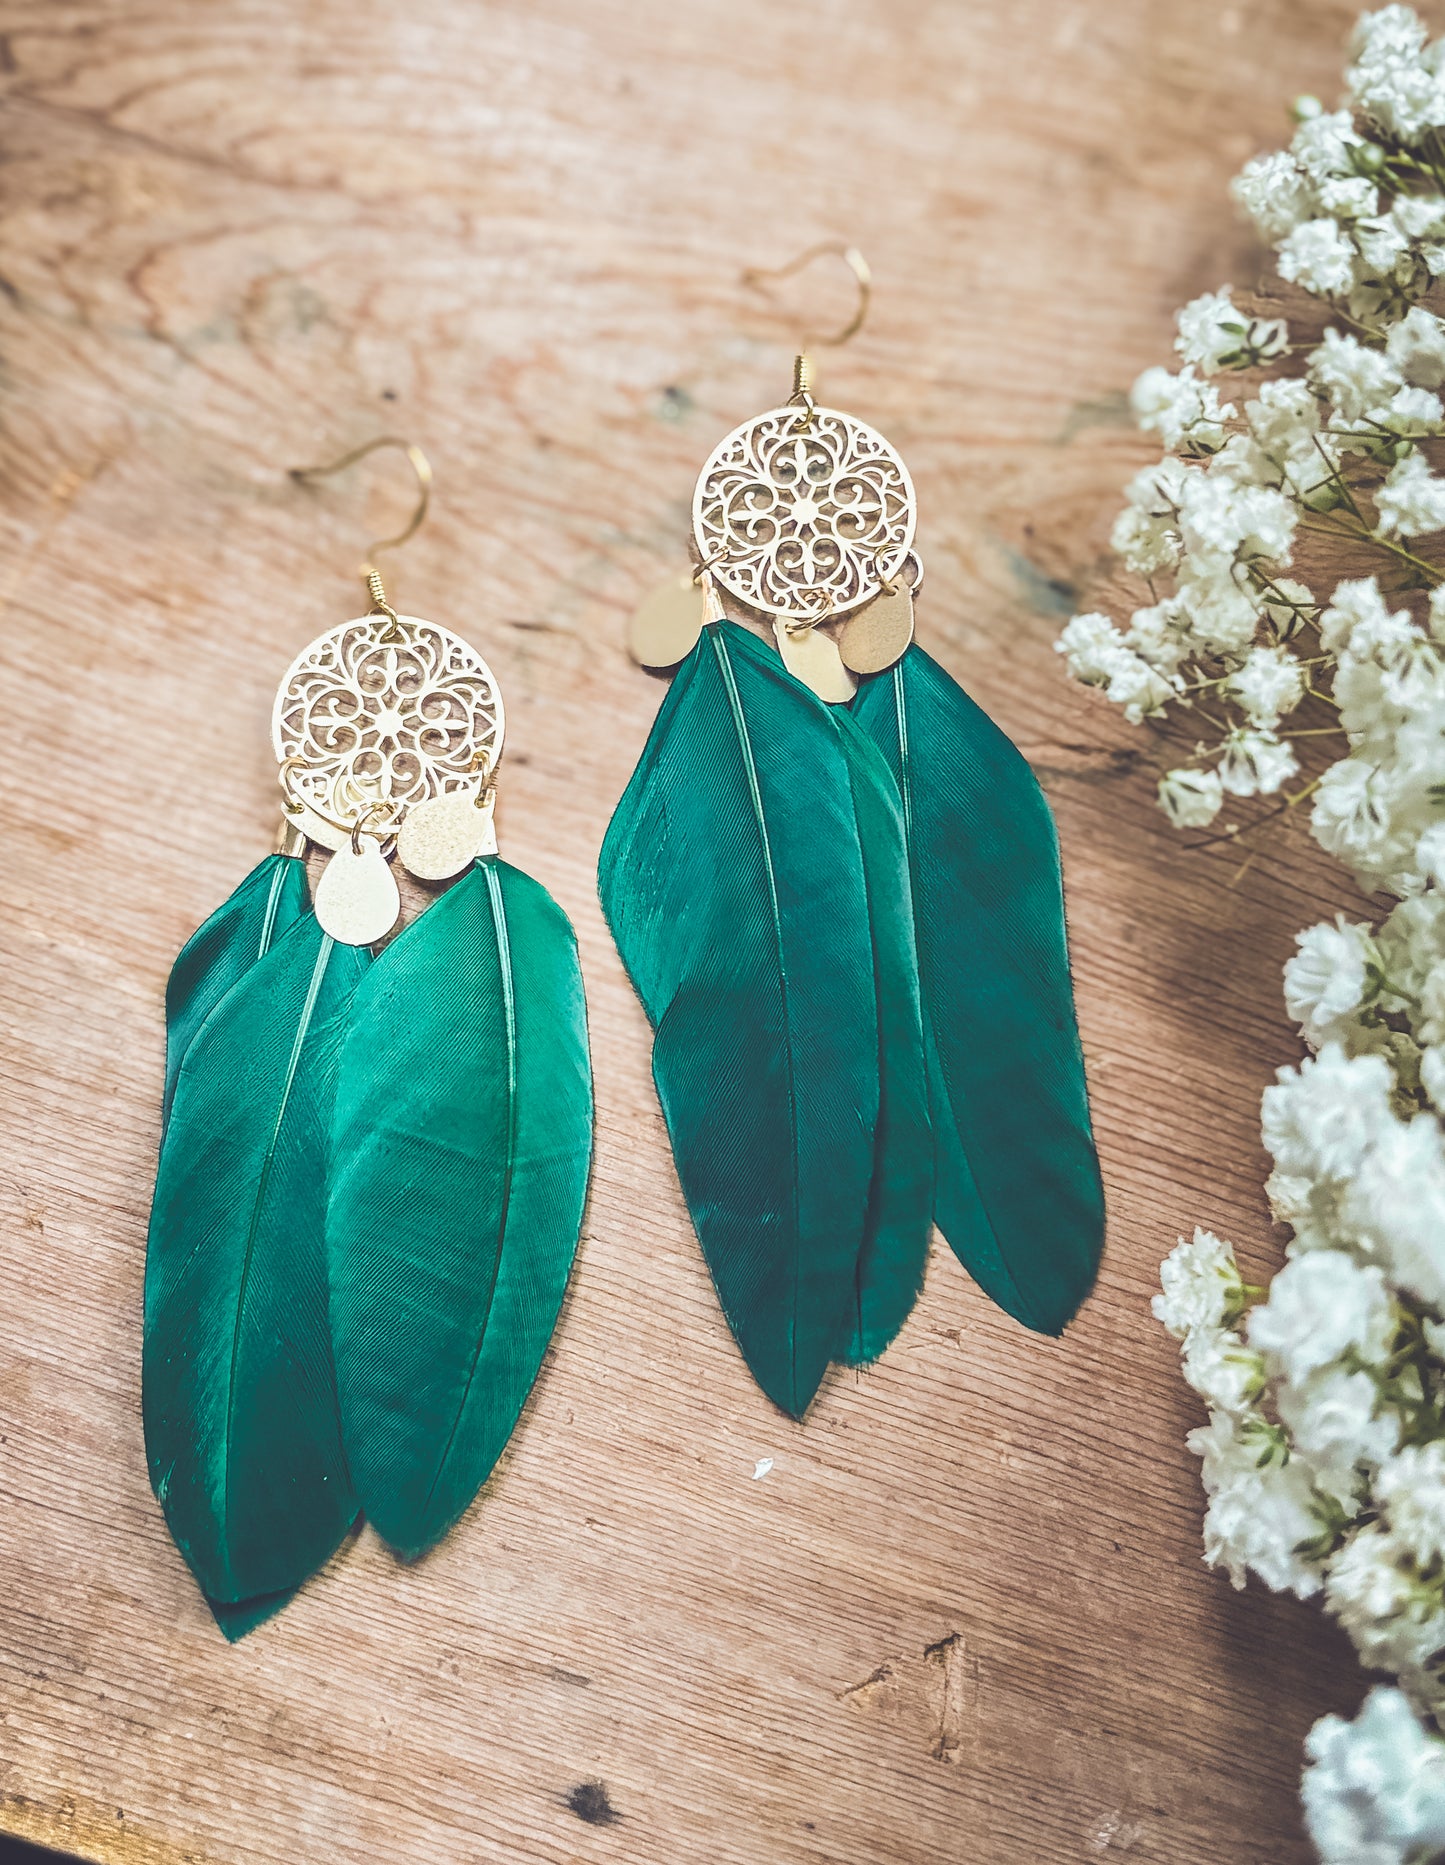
(420, 465)
(803, 371)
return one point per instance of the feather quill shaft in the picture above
(899, 1222)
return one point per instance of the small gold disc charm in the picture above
(443, 835)
(667, 623)
(873, 638)
(813, 657)
(356, 898)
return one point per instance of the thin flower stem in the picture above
(1247, 828)
(1319, 521)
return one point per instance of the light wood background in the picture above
(964, 1616)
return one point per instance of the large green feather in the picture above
(899, 1223)
(457, 1192)
(1018, 1193)
(270, 899)
(241, 931)
(242, 1427)
(732, 878)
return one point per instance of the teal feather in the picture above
(457, 1192)
(270, 899)
(1018, 1191)
(239, 933)
(732, 879)
(899, 1222)
(236, 1618)
(241, 1420)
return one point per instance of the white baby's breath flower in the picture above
(1322, 1306)
(1191, 799)
(1201, 1285)
(1416, 346)
(1410, 1489)
(1324, 145)
(1413, 414)
(1351, 197)
(1262, 1506)
(1223, 613)
(1326, 980)
(1412, 500)
(1394, 1204)
(1389, 82)
(1138, 687)
(1318, 256)
(1322, 1119)
(1269, 682)
(1351, 814)
(1432, 1078)
(1162, 634)
(1394, 1616)
(1388, 35)
(1352, 378)
(1358, 617)
(1146, 532)
(1374, 1790)
(1380, 241)
(1220, 519)
(1412, 940)
(1227, 1375)
(1215, 334)
(1339, 1424)
(1276, 194)
(1255, 763)
(1429, 1017)
(1093, 646)
(1181, 409)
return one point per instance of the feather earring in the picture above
(373, 1167)
(835, 886)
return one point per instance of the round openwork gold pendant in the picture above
(804, 518)
(377, 716)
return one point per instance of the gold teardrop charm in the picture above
(356, 898)
(444, 835)
(875, 637)
(813, 657)
(667, 623)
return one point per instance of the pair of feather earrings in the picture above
(835, 886)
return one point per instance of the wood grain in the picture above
(964, 1615)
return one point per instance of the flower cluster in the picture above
(1374, 1791)
(1324, 1455)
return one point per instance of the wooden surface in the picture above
(964, 1616)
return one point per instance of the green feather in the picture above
(236, 1619)
(241, 1421)
(899, 1223)
(272, 896)
(457, 1192)
(1018, 1193)
(733, 882)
